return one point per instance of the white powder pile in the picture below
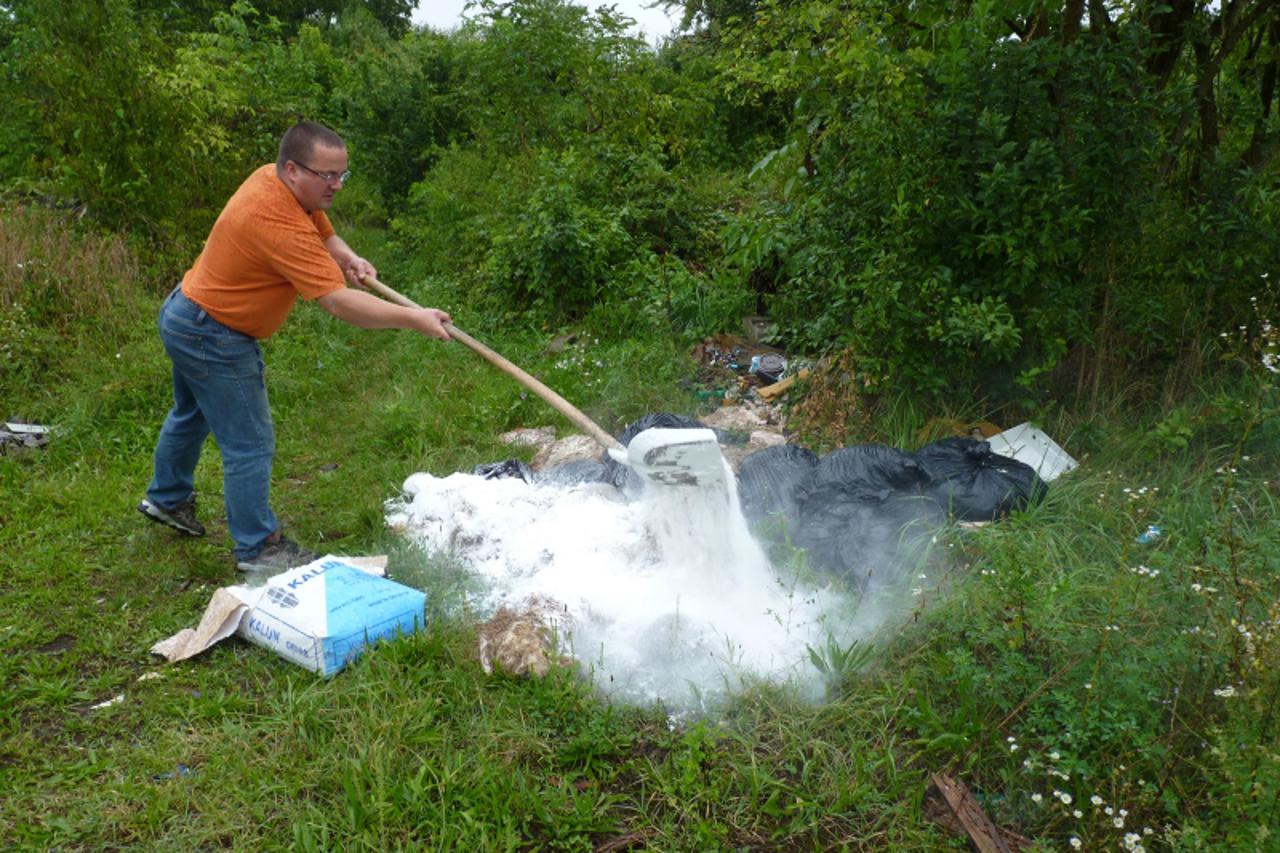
(663, 598)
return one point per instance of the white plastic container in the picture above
(1029, 445)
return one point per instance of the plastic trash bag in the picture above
(504, 470)
(774, 481)
(575, 473)
(976, 484)
(862, 536)
(664, 420)
(873, 468)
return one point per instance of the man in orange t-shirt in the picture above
(271, 244)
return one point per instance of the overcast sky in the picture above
(655, 24)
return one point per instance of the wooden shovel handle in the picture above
(560, 404)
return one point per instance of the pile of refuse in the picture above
(855, 511)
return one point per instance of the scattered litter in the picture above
(1151, 534)
(114, 700)
(756, 329)
(319, 616)
(151, 676)
(501, 470)
(26, 429)
(560, 342)
(180, 772)
(768, 367)
(1032, 447)
(17, 437)
(782, 385)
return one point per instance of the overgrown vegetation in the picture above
(1035, 203)
(995, 211)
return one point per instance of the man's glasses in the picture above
(327, 177)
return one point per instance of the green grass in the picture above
(1036, 633)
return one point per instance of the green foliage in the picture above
(398, 102)
(66, 292)
(557, 260)
(149, 133)
(962, 207)
(80, 114)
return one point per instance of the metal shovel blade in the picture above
(674, 457)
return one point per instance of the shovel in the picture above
(669, 457)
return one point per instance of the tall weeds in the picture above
(64, 289)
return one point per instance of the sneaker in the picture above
(277, 555)
(181, 518)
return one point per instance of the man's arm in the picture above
(354, 267)
(369, 312)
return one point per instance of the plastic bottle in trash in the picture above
(755, 364)
(1151, 534)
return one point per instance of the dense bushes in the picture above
(959, 205)
(983, 198)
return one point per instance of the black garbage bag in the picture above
(872, 468)
(663, 420)
(973, 482)
(503, 470)
(575, 473)
(865, 537)
(774, 481)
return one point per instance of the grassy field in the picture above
(1093, 691)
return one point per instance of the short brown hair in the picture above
(301, 140)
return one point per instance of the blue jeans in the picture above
(218, 386)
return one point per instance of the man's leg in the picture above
(178, 448)
(242, 426)
(223, 372)
(170, 497)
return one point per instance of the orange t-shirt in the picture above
(263, 252)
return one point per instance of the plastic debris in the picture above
(16, 436)
(114, 700)
(1031, 446)
(180, 772)
(1151, 534)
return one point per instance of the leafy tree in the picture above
(199, 15)
(986, 196)
(399, 101)
(80, 118)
